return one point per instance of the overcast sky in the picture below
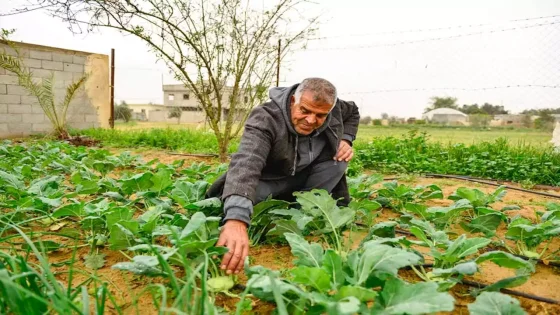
(384, 55)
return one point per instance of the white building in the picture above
(446, 116)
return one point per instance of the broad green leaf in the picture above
(511, 282)
(122, 234)
(267, 206)
(362, 294)
(314, 277)
(345, 306)
(205, 205)
(114, 195)
(310, 255)
(141, 265)
(319, 203)
(419, 233)
(71, 210)
(45, 187)
(332, 264)
(494, 303)
(378, 258)
(185, 193)
(56, 202)
(445, 214)
(137, 183)
(284, 226)
(384, 229)
(486, 224)
(399, 298)
(88, 187)
(11, 182)
(366, 204)
(463, 247)
(467, 268)
(117, 215)
(507, 260)
(417, 208)
(161, 181)
(103, 167)
(195, 223)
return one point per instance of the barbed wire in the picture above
(456, 89)
(430, 39)
(432, 29)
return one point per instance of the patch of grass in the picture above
(499, 159)
(185, 140)
(466, 135)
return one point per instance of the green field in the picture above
(464, 135)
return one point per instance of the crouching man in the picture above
(301, 139)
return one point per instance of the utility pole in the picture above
(278, 63)
(112, 114)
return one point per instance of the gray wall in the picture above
(21, 114)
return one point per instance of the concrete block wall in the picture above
(20, 112)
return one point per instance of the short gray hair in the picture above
(323, 90)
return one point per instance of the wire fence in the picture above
(514, 63)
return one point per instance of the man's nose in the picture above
(311, 119)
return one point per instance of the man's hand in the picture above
(345, 152)
(234, 236)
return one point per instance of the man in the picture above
(299, 140)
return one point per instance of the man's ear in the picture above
(292, 100)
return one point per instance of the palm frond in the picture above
(70, 92)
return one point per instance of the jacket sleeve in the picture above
(246, 165)
(350, 118)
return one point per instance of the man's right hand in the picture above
(234, 236)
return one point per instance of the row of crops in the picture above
(55, 197)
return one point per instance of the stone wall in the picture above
(21, 114)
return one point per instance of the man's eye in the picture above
(321, 116)
(304, 111)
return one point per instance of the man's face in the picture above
(308, 114)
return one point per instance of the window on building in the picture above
(171, 97)
(186, 96)
(143, 111)
(246, 99)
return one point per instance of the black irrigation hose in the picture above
(512, 292)
(486, 182)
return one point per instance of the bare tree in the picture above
(209, 45)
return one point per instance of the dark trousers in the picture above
(322, 175)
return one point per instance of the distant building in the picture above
(142, 111)
(179, 95)
(507, 120)
(447, 116)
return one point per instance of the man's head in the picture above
(311, 103)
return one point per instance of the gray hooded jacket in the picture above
(271, 149)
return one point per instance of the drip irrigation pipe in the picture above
(194, 154)
(512, 292)
(492, 183)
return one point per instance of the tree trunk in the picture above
(223, 149)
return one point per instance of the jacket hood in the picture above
(281, 97)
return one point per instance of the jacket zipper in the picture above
(295, 156)
(337, 143)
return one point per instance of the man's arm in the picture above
(240, 188)
(351, 119)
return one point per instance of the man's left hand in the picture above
(345, 152)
